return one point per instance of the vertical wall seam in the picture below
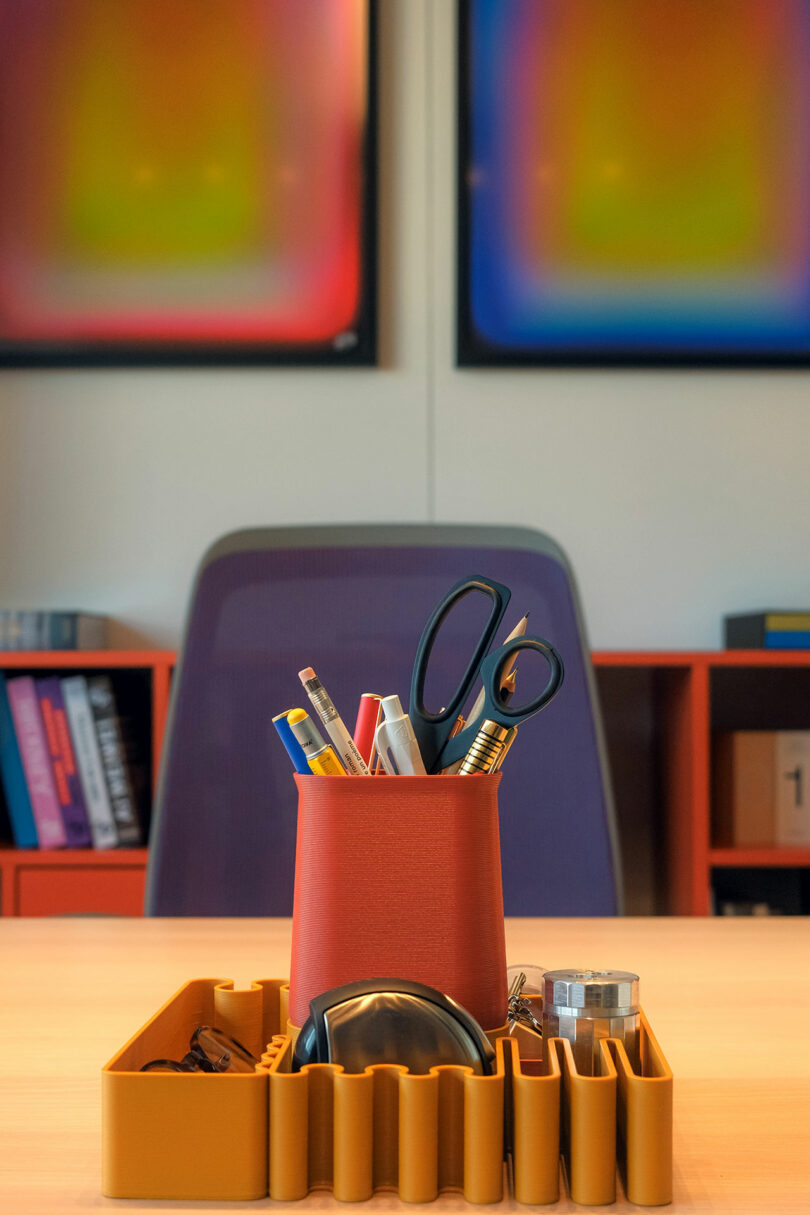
(430, 282)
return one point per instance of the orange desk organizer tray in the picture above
(237, 1136)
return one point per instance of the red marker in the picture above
(368, 714)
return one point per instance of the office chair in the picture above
(351, 602)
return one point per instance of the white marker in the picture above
(344, 744)
(396, 742)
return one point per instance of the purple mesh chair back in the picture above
(351, 602)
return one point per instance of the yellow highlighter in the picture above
(319, 755)
(325, 763)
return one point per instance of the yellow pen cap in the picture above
(305, 731)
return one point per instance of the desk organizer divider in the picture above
(241, 1136)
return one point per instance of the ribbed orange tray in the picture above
(276, 1132)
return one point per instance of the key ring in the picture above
(518, 1009)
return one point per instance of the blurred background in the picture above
(679, 495)
(165, 170)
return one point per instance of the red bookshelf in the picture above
(659, 711)
(75, 881)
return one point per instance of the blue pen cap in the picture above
(291, 743)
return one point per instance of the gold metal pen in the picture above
(504, 751)
(488, 748)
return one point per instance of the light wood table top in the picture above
(728, 999)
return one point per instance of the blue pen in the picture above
(291, 743)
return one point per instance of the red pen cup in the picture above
(400, 878)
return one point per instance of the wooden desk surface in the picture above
(736, 1032)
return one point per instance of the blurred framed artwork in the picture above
(634, 182)
(187, 181)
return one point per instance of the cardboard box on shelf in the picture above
(761, 785)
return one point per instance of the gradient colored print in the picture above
(181, 170)
(639, 176)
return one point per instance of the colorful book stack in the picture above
(25, 630)
(768, 631)
(67, 773)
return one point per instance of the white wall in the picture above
(678, 495)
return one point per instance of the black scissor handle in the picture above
(428, 726)
(494, 708)
(492, 669)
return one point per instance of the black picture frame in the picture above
(474, 350)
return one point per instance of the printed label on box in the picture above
(792, 791)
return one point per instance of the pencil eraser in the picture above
(306, 674)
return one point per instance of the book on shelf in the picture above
(6, 832)
(66, 778)
(115, 760)
(36, 760)
(18, 800)
(52, 630)
(783, 630)
(88, 762)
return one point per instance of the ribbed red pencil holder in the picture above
(399, 877)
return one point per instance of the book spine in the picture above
(745, 632)
(59, 632)
(36, 762)
(91, 631)
(88, 762)
(114, 760)
(12, 630)
(787, 639)
(66, 778)
(787, 622)
(18, 800)
(30, 630)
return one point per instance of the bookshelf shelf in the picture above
(752, 858)
(659, 710)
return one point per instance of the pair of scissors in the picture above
(433, 730)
